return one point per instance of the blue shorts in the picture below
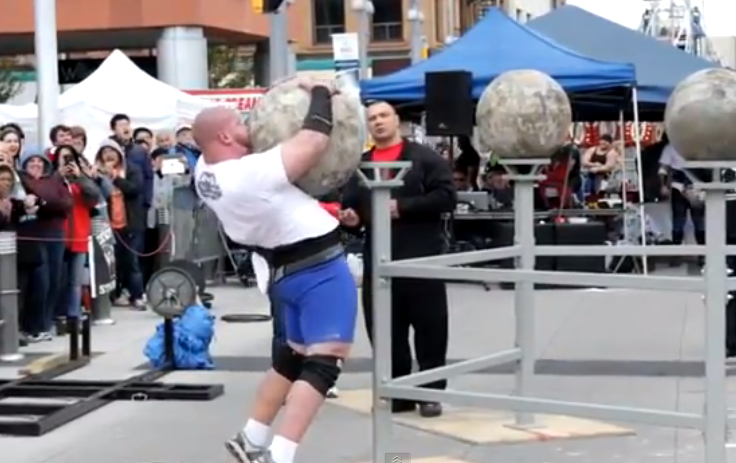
(318, 304)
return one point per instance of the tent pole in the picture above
(640, 178)
(624, 199)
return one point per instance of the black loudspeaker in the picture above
(449, 103)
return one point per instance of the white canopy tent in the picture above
(117, 86)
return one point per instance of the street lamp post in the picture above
(47, 67)
(416, 19)
(364, 10)
(278, 43)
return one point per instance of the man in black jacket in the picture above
(417, 228)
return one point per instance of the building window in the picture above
(329, 18)
(387, 21)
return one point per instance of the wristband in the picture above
(319, 115)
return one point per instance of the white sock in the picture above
(283, 450)
(257, 433)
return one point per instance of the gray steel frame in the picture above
(9, 330)
(714, 284)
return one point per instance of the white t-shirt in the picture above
(258, 205)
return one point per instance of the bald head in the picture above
(220, 132)
(210, 122)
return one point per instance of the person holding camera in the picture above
(127, 212)
(19, 215)
(48, 191)
(77, 229)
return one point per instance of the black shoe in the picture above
(730, 352)
(403, 406)
(430, 409)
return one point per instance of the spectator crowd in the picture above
(53, 197)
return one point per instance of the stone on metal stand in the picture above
(700, 119)
(701, 116)
(9, 330)
(381, 246)
(524, 116)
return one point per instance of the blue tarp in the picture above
(660, 66)
(497, 44)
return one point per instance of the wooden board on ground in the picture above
(43, 364)
(477, 426)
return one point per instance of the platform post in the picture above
(164, 245)
(9, 330)
(372, 176)
(100, 311)
(716, 276)
(524, 291)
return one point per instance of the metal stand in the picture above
(715, 284)
(102, 311)
(9, 330)
(524, 290)
(90, 395)
(163, 244)
(381, 246)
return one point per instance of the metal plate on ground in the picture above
(196, 271)
(170, 291)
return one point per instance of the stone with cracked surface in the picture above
(700, 118)
(523, 114)
(278, 116)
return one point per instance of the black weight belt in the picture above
(319, 257)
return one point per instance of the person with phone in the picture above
(127, 212)
(47, 188)
(77, 229)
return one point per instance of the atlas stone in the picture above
(700, 118)
(278, 116)
(523, 114)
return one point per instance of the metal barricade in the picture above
(714, 284)
(9, 330)
(195, 230)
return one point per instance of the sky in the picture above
(718, 15)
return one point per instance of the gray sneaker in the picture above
(245, 452)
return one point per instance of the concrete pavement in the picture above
(614, 347)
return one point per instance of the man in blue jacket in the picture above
(135, 154)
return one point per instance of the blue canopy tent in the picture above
(659, 65)
(497, 44)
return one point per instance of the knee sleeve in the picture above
(287, 362)
(321, 372)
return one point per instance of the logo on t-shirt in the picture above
(207, 187)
